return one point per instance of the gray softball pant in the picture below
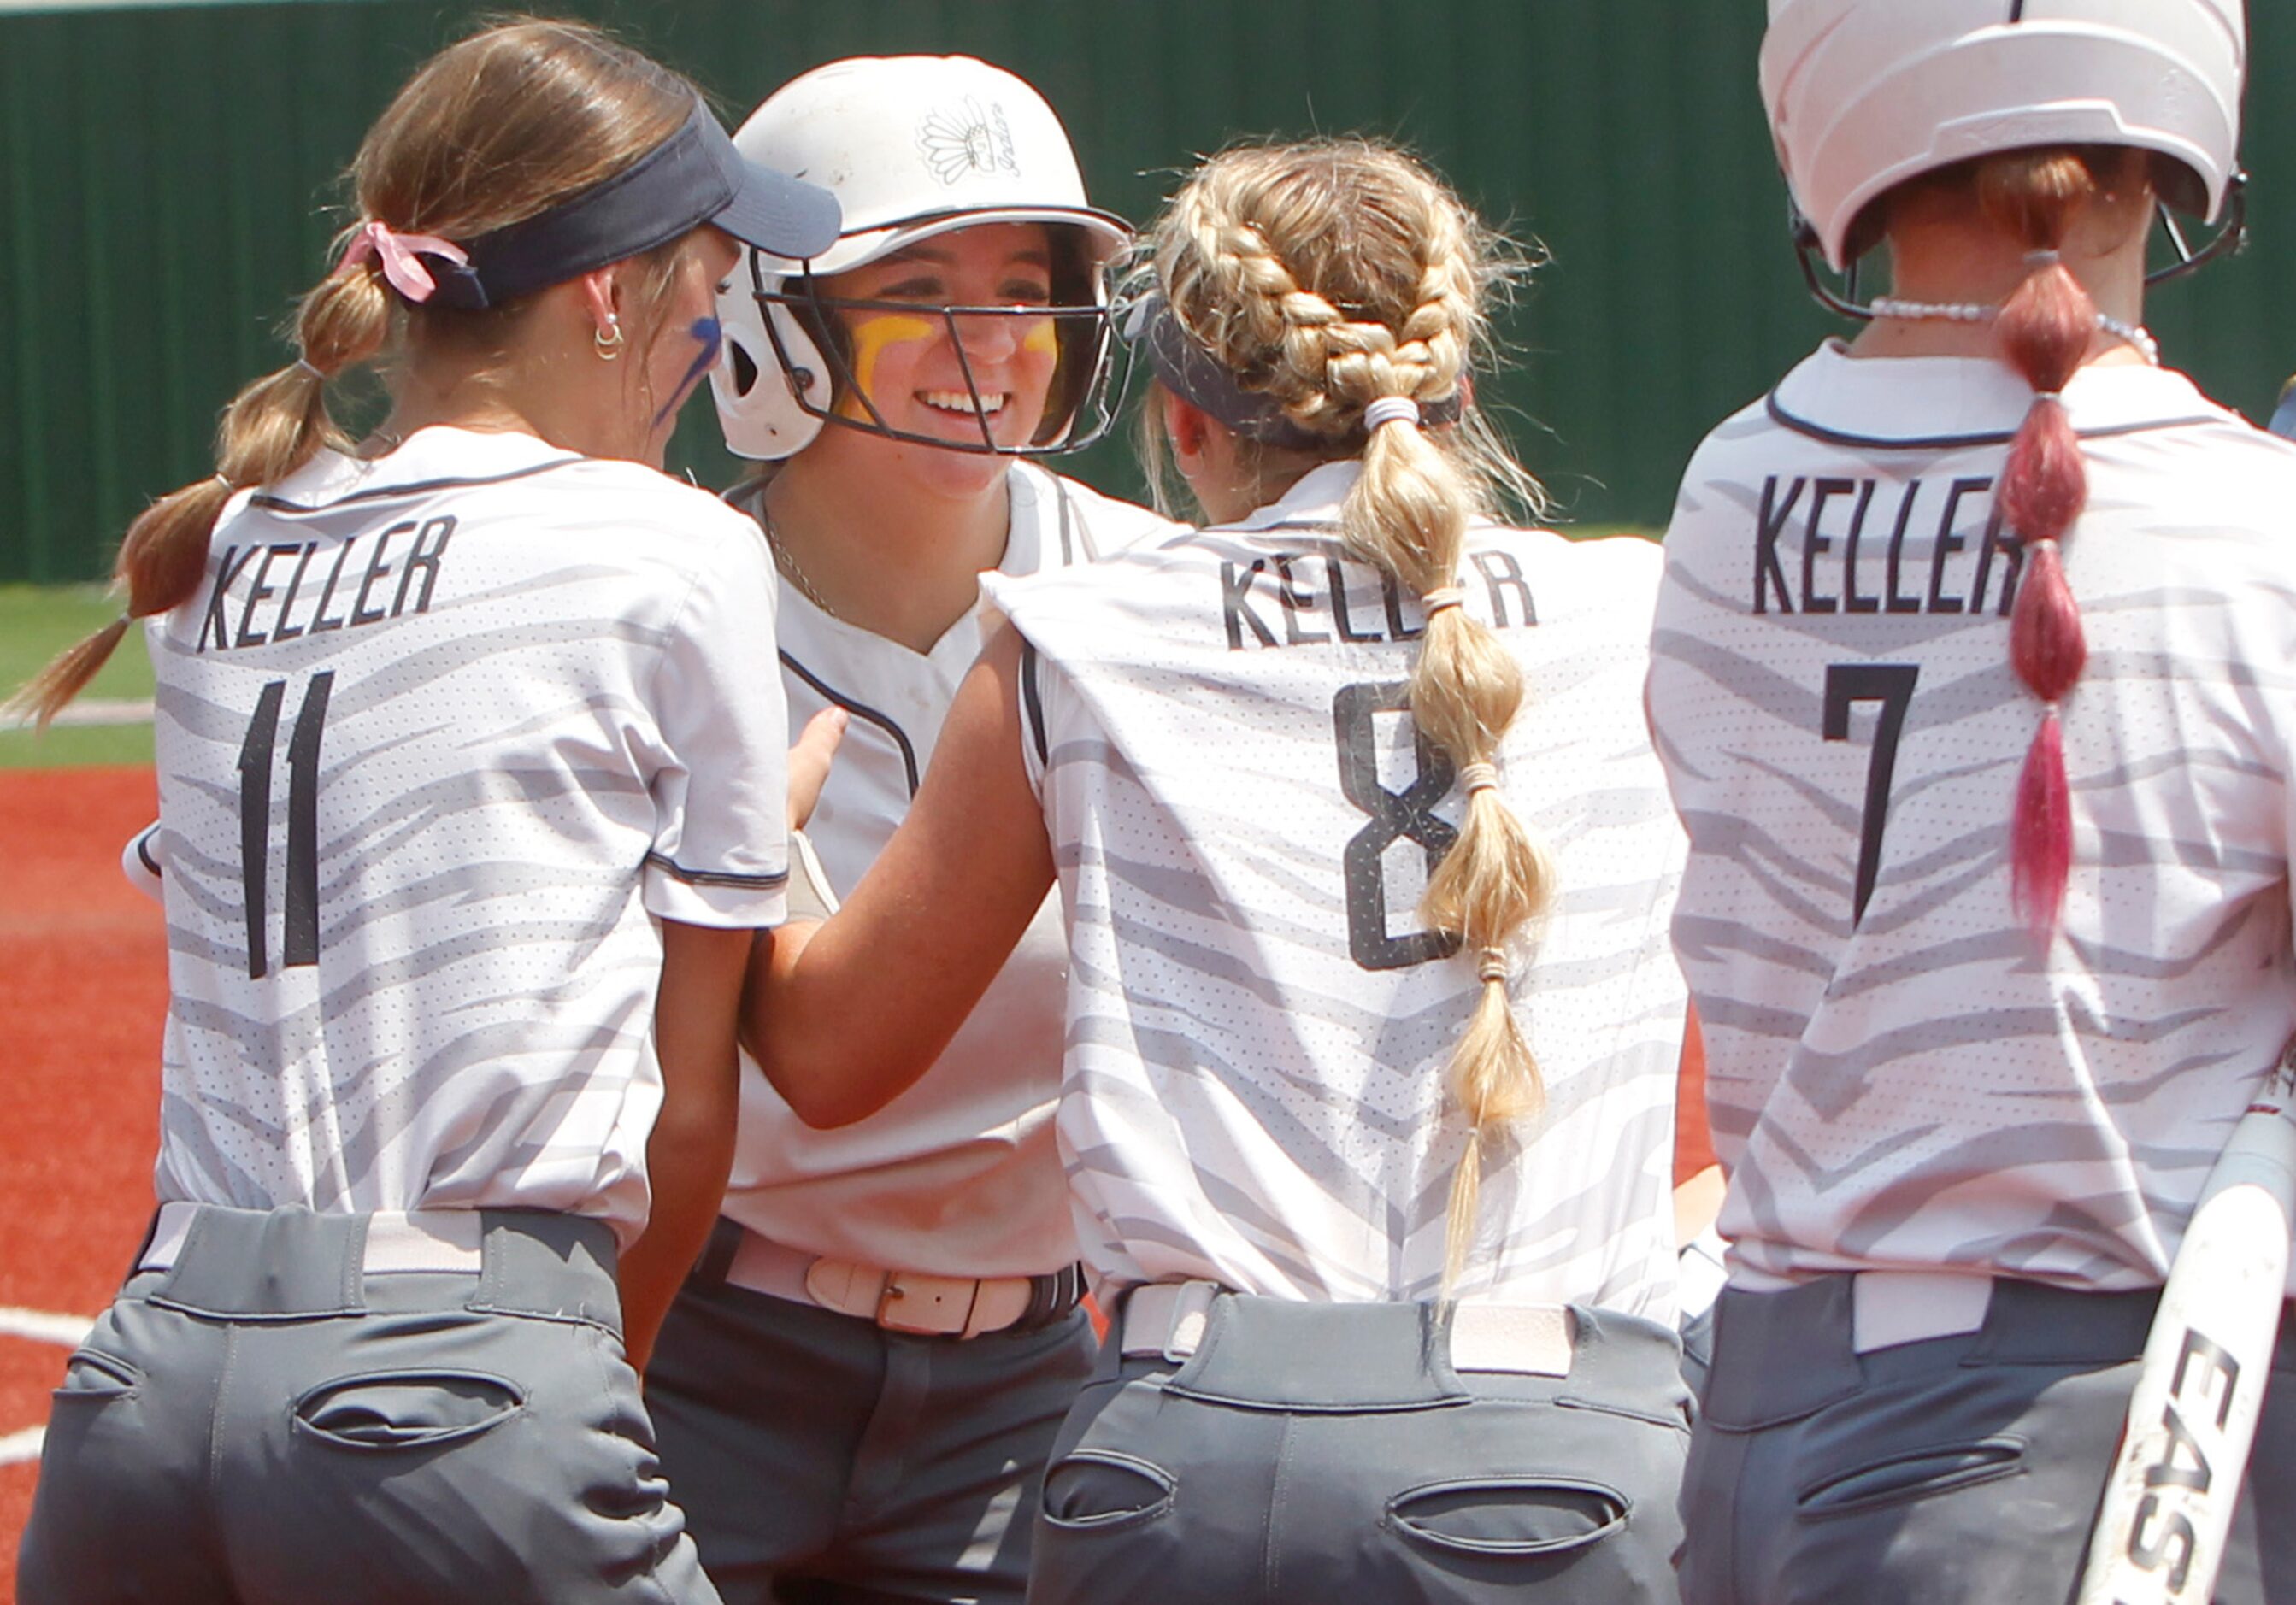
(1954, 1470)
(1306, 1453)
(824, 1460)
(269, 1421)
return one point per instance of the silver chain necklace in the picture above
(786, 561)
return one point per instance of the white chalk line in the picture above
(91, 710)
(42, 1327)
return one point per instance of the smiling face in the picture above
(913, 368)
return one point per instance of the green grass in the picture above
(1589, 532)
(36, 622)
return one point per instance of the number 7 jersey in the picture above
(1244, 816)
(1898, 1076)
(439, 738)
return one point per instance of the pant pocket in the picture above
(1100, 1490)
(1911, 1474)
(1510, 1515)
(403, 1410)
(91, 1376)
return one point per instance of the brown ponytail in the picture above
(1332, 274)
(272, 427)
(489, 132)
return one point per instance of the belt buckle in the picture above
(941, 1294)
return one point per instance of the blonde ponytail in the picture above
(1330, 275)
(1408, 513)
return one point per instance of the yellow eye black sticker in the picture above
(872, 332)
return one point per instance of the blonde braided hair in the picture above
(1328, 274)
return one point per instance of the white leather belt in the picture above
(899, 1301)
(396, 1240)
(1890, 1307)
(1168, 1318)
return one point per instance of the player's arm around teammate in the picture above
(857, 1388)
(1972, 671)
(1372, 1029)
(465, 770)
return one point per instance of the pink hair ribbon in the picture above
(399, 253)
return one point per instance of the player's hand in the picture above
(809, 760)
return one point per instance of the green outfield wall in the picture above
(168, 179)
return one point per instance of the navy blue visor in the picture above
(692, 177)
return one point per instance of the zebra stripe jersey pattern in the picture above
(438, 737)
(1244, 816)
(958, 1176)
(1898, 1076)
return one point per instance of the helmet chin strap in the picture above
(2229, 241)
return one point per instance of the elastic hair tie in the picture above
(2043, 259)
(1480, 777)
(312, 368)
(220, 479)
(2055, 396)
(1390, 409)
(1442, 597)
(1494, 964)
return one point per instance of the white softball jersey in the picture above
(1244, 816)
(440, 738)
(958, 1176)
(1899, 1077)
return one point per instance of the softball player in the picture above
(1970, 672)
(858, 1389)
(1380, 1198)
(470, 801)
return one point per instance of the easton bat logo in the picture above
(2160, 1534)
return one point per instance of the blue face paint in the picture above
(711, 335)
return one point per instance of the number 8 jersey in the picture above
(1898, 1076)
(1244, 816)
(439, 738)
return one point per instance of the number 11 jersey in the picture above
(1244, 816)
(1899, 1076)
(439, 738)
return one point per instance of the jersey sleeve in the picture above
(1036, 741)
(720, 852)
(139, 861)
(997, 594)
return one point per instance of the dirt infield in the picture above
(83, 995)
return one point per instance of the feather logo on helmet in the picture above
(966, 139)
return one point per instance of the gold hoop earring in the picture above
(609, 340)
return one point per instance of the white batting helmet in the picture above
(912, 146)
(1864, 94)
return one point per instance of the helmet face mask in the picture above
(917, 148)
(807, 333)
